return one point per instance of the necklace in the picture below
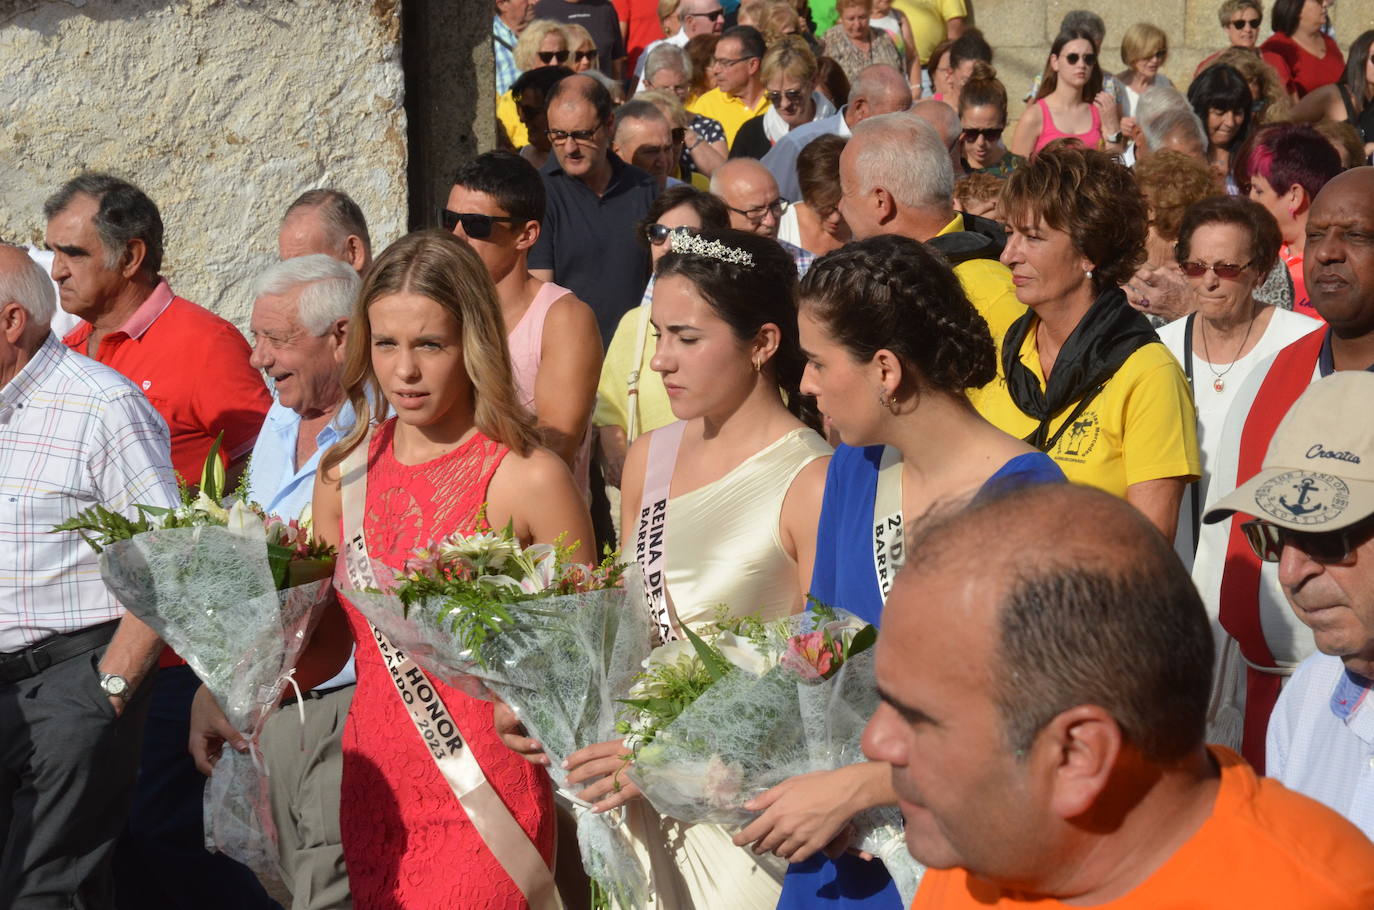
(1218, 380)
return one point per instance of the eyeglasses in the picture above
(992, 134)
(1089, 59)
(757, 213)
(658, 234)
(721, 62)
(476, 226)
(713, 15)
(547, 57)
(560, 136)
(1227, 270)
(1330, 548)
(792, 95)
(584, 56)
(1239, 24)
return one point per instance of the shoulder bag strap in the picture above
(1194, 488)
(889, 544)
(651, 539)
(500, 831)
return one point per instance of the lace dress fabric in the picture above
(407, 841)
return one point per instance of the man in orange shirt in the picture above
(1045, 666)
(107, 241)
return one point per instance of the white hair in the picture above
(903, 154)
(28, 285)
(331, 289)
(667, 57)
(1163, 111)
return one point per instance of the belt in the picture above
(313, 694)
(20, 665)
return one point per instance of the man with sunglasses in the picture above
(738, 96)
(587, 242)
(1260, 640)
(1313, 504)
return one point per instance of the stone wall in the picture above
(222, 110)
(1021, 32)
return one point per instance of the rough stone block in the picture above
(223, 112)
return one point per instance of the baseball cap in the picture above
(1318, 474)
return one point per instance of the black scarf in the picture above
(1108, 333)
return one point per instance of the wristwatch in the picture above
(114, 685)
(1113, 139)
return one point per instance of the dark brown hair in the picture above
(984, 88)
(818, 171)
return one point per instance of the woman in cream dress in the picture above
(743, 486)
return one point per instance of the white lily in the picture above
(242, 520)
(744, 654)
(209, 507)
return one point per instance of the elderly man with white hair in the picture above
(896, 178)
(300, 325)
(1165, 120)
(74, 667)
(698, 17)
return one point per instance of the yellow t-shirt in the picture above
(728, 109)
(987, 283)
(1140, 427)
(510, 119)
(928, 19)
(612, 392)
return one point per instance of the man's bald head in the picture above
(1339, 269)
(877, 89)
(750, 192)
(1090, 604)
(946, 123)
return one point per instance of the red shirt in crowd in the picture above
(1298, 69)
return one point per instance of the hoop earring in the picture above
(758, 366)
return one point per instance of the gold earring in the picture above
(758, 366)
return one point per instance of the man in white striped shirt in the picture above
(73, 664)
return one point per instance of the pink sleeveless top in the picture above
(1049, 132)
(526, 343)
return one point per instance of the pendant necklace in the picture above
(1218, 379)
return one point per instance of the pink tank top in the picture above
(526, 343)
(1049, 132)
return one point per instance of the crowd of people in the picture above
(774, 274)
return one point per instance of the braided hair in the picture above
(748, 297)
(893, 293)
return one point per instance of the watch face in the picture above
(113, 685)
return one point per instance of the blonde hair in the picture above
(778, 17)
(1247, 62)
(1228, 10)
(1142, 41)
(527, 48)
(437, 265)
(789, 56)
(667, 9)
(577, 36)
(842, 5)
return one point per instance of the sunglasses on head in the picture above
(1089, 59)
(658, 234)
(792, 96)
(991, 134)
(1245, 23)
(1227, 270)
(548, 57)
(475, 226)
(1326, 547)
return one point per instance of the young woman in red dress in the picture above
(427, 339)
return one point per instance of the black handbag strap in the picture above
(1194, 492)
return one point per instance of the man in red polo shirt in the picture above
(106, 239)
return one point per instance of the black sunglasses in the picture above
(548, 57)
(1245, 23)
(583, 56)
(657, 234)
(991, 134)
(1326, 547)
(476, 226)
(793, 96)
(1090, 59)
(713, 15)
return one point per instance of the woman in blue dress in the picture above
(892, 347)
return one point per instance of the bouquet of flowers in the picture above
(717, 719)
(557, 641)
(235, 592)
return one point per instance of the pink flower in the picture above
(811, 656)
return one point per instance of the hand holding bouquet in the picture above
(557, 641)
(723, 717)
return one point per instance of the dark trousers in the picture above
(67, 768)
(162, 861)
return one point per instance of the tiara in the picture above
(694, 245)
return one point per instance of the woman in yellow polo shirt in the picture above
(1082, 376)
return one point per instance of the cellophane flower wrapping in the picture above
(562, 665)
(773, 716)
(210, 594)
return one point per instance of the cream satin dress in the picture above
(724, 548)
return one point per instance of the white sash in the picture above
(889, 544)
(500, 831)
(651, 541)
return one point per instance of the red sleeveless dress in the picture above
(407, 841)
